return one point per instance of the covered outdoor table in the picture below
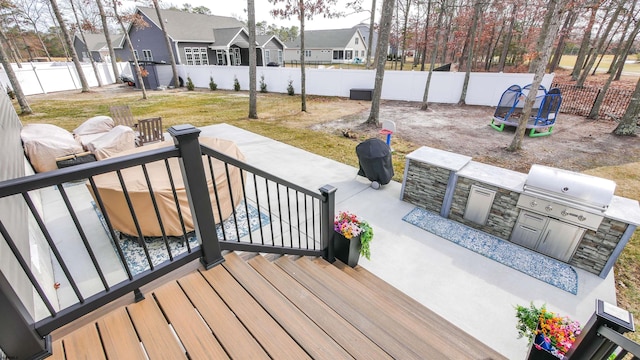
(118, 211)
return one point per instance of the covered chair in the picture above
(122, 115)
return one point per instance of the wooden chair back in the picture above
(122, 115)
(150, 130)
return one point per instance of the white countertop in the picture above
(493, 175)
(440, 158)
(625, 210)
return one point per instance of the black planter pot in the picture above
(541, 354)
(346, 250)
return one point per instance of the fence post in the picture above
(186, 139)
(18, 337)
(589, 344)
(327, 213)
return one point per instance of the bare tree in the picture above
(629, 122)
(107, 37)
(434, 53)
(477, 8)
(15, 84)
(549, 32)
(253, 95)
(405, 13)
(32, 11)
(386, 18)
(69, 42)
(172, 58)
(81, 31)
(584, 45)
(372, 22)
(507, 38)
(138, 23)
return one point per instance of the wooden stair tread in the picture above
(467, 343)
(262, 326)
(232, 335)
(345, 334)
(194, 334)
(57, 351)
(119, 338)
(154, 330)
(84, 343)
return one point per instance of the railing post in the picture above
(186, 139)
(327, 213)
(18, 337)
(589, 344)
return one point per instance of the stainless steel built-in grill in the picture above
(557, 206)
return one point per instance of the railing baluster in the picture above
(298, 219)
(26, 268)
(185, 238)
(246, 207)
(53, 247)
(83, 236)
(216, 195)
(155, 208)
(289, 215)
(233, 202)
(266, 185)
(255, 189)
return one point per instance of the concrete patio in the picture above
(473, 292)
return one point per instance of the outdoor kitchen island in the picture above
(569, 216)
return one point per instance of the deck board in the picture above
(270, 335)
(230, 332)
(118, 336)
(84, 343)
(192, 331)
(158, 339)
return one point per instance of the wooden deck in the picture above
(288, 308)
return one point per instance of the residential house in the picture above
(364, 30)
(329, 46)
(197, 39)
(97, 46)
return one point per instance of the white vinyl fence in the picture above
(446, 87)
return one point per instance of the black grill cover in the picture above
(374, 156)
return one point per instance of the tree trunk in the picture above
(15, 84)
(595, 109)
(44, 47)
(629, 122)
(404, 32)
(549, 33)
(107, 37)
(167, 40)
(372, 22)
(137, 69)
(472, 41)
(599, 47)
(434, 54)
(507, 41)
(426, 36)
(67, 39)
(566, 29)
(93, 63)
(303, 75)
(584, 45)
(383, 42)
(253, 101)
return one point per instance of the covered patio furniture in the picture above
(44, 143)
(113, 197)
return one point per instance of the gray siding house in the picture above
(198, 39)
(329, 46)
(97, 48)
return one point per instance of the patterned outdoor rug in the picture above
(541, 267)
(134, 252)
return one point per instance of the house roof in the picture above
(334, 38)
(263, 40)
(97, 42)
(185, 26)
(230, 36)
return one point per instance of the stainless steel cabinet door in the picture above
(559, 240)
(528, 229)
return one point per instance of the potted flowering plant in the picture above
(352, 238)
(550, 336)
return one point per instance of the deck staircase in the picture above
(260, 307)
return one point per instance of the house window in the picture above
(267, 57)
(348, 54)
(362, 53)
(148, 56)
(338, 54)
(356, 41)
(196, 56)
(307, 53)
(135, 54)
(237, 59)
(222, 60)
(279, 56)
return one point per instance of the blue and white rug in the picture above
(541, 267)
(134, 252)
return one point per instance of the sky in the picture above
(236, 8)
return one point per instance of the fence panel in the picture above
(580, 100)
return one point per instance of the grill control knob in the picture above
(564, 212)
(533, 203)
(582, 218)
(548, 208)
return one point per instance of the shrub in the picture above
(236, 84)
(290, 89)
(190, 85)
(212, 84)
(263, 85)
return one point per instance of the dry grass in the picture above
(282, 120)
